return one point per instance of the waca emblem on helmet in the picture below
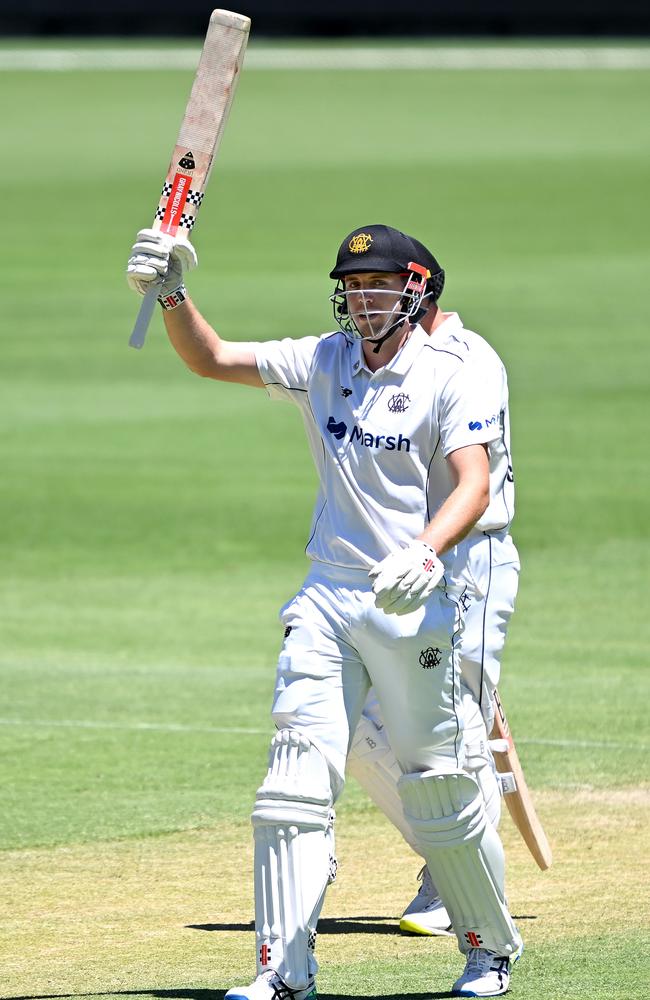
(360, 243)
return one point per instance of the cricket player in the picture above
(399, 432)
(489, 564)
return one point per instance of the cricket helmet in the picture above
(436, 282)
(373, 248)
(383, 248)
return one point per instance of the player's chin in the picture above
(367, 328)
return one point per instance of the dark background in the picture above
(335, 18)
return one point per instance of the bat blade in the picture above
(200, 134)
(518, 799)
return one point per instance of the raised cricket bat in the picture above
(516, 793)
(205, 118)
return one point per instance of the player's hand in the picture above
(160, 258)
(404, 580)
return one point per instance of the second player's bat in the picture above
(516, 793)
(198, 140)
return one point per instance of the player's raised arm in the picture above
(163, 260)
(204, 351)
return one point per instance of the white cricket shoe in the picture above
(426, 914)
(486, 975)
(269, 986)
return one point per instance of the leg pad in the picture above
(464, 855)
(291, 823)
(372, 762)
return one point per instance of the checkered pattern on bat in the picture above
(187, 221)
(194, 197)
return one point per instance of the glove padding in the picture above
(160, 258)
(404, 580)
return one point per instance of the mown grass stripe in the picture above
(178, 727)
(330, 58)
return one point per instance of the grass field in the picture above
(153, 523)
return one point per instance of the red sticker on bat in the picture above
(175, 204)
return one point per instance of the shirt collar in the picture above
(450, 325)
(407, 353)
(402, 361)
(357, 360)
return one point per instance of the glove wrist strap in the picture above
(173, 299)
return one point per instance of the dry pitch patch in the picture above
(171, 916)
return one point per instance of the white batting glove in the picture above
(404, 580)
(160, 258)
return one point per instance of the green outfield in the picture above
(153, 523)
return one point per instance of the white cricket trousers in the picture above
(491, 575)
(338, 643)
(488, 564)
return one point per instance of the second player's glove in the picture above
(160, 258)
(404, 580)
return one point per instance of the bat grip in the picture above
(143, 318)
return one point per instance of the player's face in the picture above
(372, 298)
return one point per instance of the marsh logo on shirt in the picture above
(337, 429)
(367, 440)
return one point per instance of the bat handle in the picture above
(143, 318)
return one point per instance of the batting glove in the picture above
(160, 258)
(404, 580)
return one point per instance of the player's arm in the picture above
(468, 501)
(156, 257)
(404, 580)
(205, 352)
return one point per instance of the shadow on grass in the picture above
(326, 925)
(337, 925)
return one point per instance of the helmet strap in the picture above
(389, 333)
(417, 282)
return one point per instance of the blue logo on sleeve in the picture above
(475, 425)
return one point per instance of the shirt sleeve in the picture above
(470, 410)
(285, 366)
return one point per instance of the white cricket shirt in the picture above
(501, 509)
(379, 440)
